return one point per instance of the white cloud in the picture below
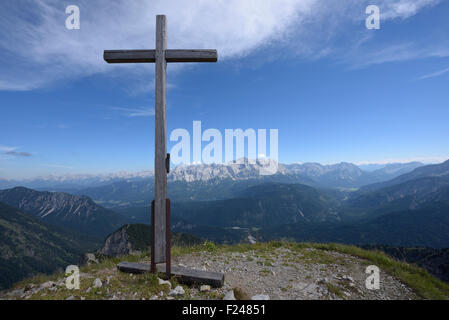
(39, 49)
(135, 112)
(435, 74)
(7, 153)
(359, 57)
(405, 8)
(7, 149)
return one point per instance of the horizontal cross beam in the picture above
(148, 56)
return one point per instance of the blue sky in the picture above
(335, 90)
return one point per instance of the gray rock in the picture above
(229, 295)
(251, 239)
(162, 282)
(88, 289)
(205, 287)
(97, 283)
(47, 285)
(178, 291)
(117, 244)
(260, 297)
(71, 298)
(17, 292)
(87, 259)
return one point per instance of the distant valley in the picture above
(29, 246)
(218, 181)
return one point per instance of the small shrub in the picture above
(209, 246)
(240, 294)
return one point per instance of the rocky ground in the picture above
(291, 275)
(262, 273)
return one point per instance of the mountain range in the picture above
(223, 181)
(336, 175)
(304, 202)
(414, 211)
(29, 246)
(76, 213)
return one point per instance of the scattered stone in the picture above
(205, 287)
(229, 295)
(29, 287)
(97, 283)
(60, 283)
(162, 282)
(87, 259)
(323, 280)
(71, 298)
(251, 239)
(178, 291)
(88, 289)
(47, 285)
(260, 297)
(16, 292)
(170, 298)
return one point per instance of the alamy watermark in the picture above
(256, 147)
(73, 20)
(373, 280)
(72, 281)
(373, 20)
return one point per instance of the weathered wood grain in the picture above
(160, 171)
(183, 275)
(149, 56)
(205, 55)
(129, 56)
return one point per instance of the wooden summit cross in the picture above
(160, 213)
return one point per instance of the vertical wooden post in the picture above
(160, 171)
(153, 262)
(168, 240)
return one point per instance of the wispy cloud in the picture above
(37, 49)
(18, 154)
(6, 148)
(362, 56)
(10, 152)
(135, 112)
(435, 74)
(59, 166)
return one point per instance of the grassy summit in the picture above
(263, 262)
